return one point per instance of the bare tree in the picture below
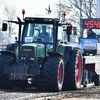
(60, 7)
(76, 9)
(10, 13)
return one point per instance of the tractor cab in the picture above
(47, 30)
(39, 33)
(43, 33)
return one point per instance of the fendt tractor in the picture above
(49, 62)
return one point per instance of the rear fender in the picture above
(66, 54)
(55, 54)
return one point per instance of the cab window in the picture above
(37, 32)
(60, 34)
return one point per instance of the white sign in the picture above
(90, 46)
(28, 39)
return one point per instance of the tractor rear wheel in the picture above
(5, 63)
(54, 73)
(74, 71)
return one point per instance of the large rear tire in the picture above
(5, 63)
(74, 71)
(54, 74)
(96, 80)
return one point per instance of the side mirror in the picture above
(69, 29)
(4, 27)
(75, 30)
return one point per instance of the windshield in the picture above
(34, 32)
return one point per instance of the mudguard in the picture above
(65, 54)
(11, 54)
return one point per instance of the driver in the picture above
(44, 34)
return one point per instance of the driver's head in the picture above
(43, 28)
(90, 31)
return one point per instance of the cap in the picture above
(90, 30)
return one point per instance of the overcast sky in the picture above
(30, 6)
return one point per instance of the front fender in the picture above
(9, 54)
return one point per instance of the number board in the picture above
(93, 23)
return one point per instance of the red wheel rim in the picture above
(78, 69)
(60, 75)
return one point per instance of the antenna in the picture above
(48, 10)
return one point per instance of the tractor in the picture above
(37, 61)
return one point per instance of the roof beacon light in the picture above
(23, 12)
(64, 13)
(66, 21)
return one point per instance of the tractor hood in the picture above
(33, 50)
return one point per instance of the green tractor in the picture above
(46, 61)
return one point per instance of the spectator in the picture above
(91, 34)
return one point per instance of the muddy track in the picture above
(41, 94)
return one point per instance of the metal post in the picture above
(80, 19)
(90, 9)
(68, 37)
(19, 36)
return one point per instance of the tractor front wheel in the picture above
(5, 63)
(54, 74)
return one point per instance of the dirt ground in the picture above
(92, 93)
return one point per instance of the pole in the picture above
(98, 9)
(19, 36)
(68, 37)
(80, 19)
(90, 9)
